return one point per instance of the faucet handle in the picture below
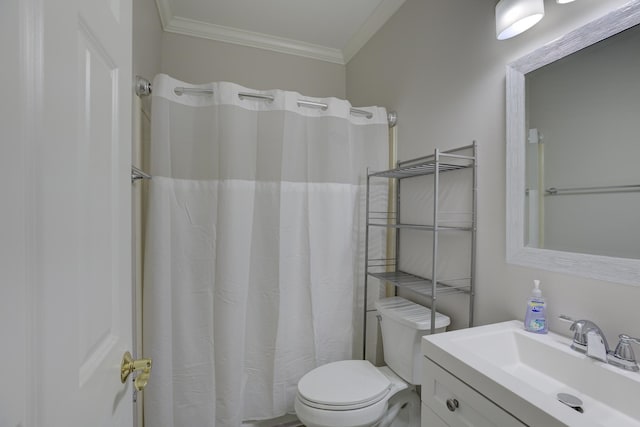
(576, 325)
(623, 355)
(624, 350)
(579, 329)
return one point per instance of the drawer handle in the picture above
(452, 404)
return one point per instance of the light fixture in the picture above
(517, 16)
(564, 1)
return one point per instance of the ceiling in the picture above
(328, 30)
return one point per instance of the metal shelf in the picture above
(427, 168)
(440, 161)
(423, 286)
(421, 227)
(428, 165)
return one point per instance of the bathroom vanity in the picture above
(448, 401)
(500, 375)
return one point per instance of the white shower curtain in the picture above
(254, 249)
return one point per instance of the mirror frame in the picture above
(618, 270)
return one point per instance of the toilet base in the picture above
(371, 416)
(409, 415)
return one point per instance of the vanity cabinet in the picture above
(447, 401)
(429, 418)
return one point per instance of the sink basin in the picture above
(524, 372)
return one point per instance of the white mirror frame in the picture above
(618, 270)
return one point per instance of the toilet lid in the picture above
(347, 384)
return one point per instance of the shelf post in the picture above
(474, 219)
(434, 262)
(366, 274)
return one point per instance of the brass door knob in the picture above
(142, 366)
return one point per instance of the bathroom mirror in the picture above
(553, 184)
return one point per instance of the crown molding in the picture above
(165, 11)
(205, 30)
(190, 27)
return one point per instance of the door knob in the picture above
(142, 366)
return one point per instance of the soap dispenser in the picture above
(535, 319)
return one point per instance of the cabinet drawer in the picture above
(457, 404)
(429, 418)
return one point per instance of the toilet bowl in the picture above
(354, 393)
(347, 393)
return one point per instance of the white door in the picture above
(72, 162)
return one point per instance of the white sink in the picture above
(523, 372)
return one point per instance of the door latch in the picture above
(141, 366)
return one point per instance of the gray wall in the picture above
(147, 38)
(439, 65)
(197, 60)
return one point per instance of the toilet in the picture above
(355, 393)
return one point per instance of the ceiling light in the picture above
(564, 1)
(517, 16)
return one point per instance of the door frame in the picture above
(31, 25)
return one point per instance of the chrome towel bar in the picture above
(553, 191)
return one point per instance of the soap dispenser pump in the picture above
(535, 319)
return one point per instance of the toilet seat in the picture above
(344, 386)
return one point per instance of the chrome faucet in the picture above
(589, 339)
(580, 329)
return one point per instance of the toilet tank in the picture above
(403, 324)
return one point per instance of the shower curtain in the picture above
(254, 248)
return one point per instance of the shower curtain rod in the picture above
(143, 88)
